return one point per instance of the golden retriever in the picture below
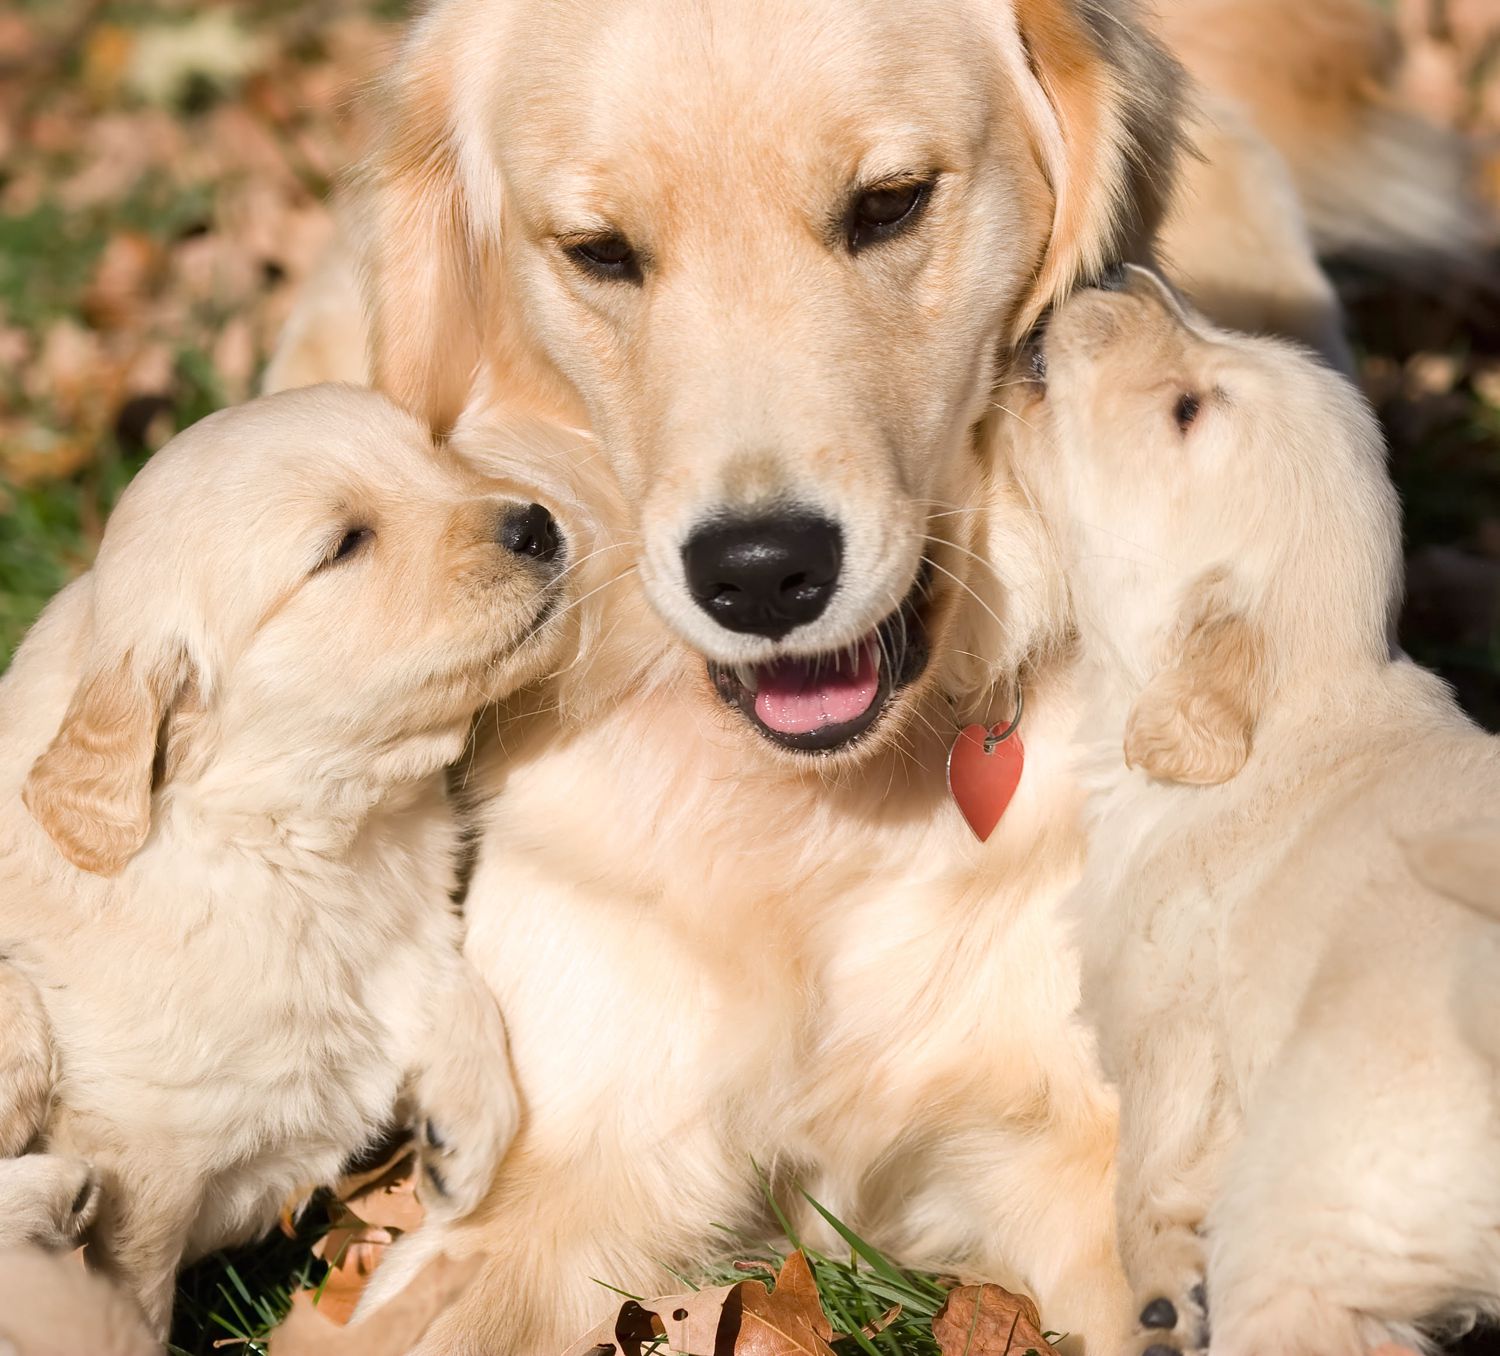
(776, 255)
(1302, 1030)
(225, 850)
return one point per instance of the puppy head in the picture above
(773, 250)
(299, 592)
(1225, 510)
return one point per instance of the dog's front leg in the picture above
(464, 1094)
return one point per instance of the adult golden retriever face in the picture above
(301, 588)
(775, 249)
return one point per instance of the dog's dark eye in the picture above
(349, 543)
(878, 213)
(1186, 411)
(606, 256)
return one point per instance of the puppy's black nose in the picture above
(764, 576)
(1112, 279)
(1160, 1313)
(529, 530)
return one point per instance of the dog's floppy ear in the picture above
(1194, 721)
(1103, 100)
(420, 245)
(91, 790)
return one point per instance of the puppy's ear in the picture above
(1462, 863)
(1103, 99)
(1195, 720)
(91, 790)
(419, 241)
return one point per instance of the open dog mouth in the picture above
(823, 703)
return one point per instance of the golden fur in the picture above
(1300, 1024)
(225, 850)
(712, 951)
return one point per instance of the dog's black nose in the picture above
(1160, 1313)
(1112, 279)
(764, 576)
(529, 530)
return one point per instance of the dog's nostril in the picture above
(764, 576)
(529, 530)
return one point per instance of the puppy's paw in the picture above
(1173, 1324)
(47, 1200)
(1171, 1305)
(458, 1161)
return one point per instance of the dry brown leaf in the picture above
(30, 455)
(689, 1322)
(397, 1327)
(787, 1321)
(125, 273)
(988, 1320)
(107, 53)
(376, 1208)
(744, 1318)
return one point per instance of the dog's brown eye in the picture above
(349, 543)
(1186, 411)
(878, 213)
(606, 256)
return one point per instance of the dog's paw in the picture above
(458, 1160)
(1173, 1324)
(47, 1200)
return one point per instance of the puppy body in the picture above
(1301, 1030)
(239, 997)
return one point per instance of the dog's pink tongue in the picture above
(797, 696)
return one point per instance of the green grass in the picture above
(230, 1301)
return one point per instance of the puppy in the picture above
(226, 856)
(1302, 1029)
(50, 1306)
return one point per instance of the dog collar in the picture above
(984, 769)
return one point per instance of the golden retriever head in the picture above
(1225, 510)
(772, 251)
(297, 599)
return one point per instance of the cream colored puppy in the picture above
(1303, 1032)
(50, 1306)
(226, 856)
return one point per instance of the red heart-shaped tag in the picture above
(983, 782)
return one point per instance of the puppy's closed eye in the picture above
(1186, 410)
(350, 544)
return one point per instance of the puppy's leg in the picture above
(142, 1231)
(27, 1062)
(46, 1199)
(1176, 1122)
(565, 1223)
(465, 1095)
(1363, 1197)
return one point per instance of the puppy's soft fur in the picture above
(50, 1306)
(225, 851)
(1302, 1028)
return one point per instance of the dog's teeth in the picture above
(746, 675)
